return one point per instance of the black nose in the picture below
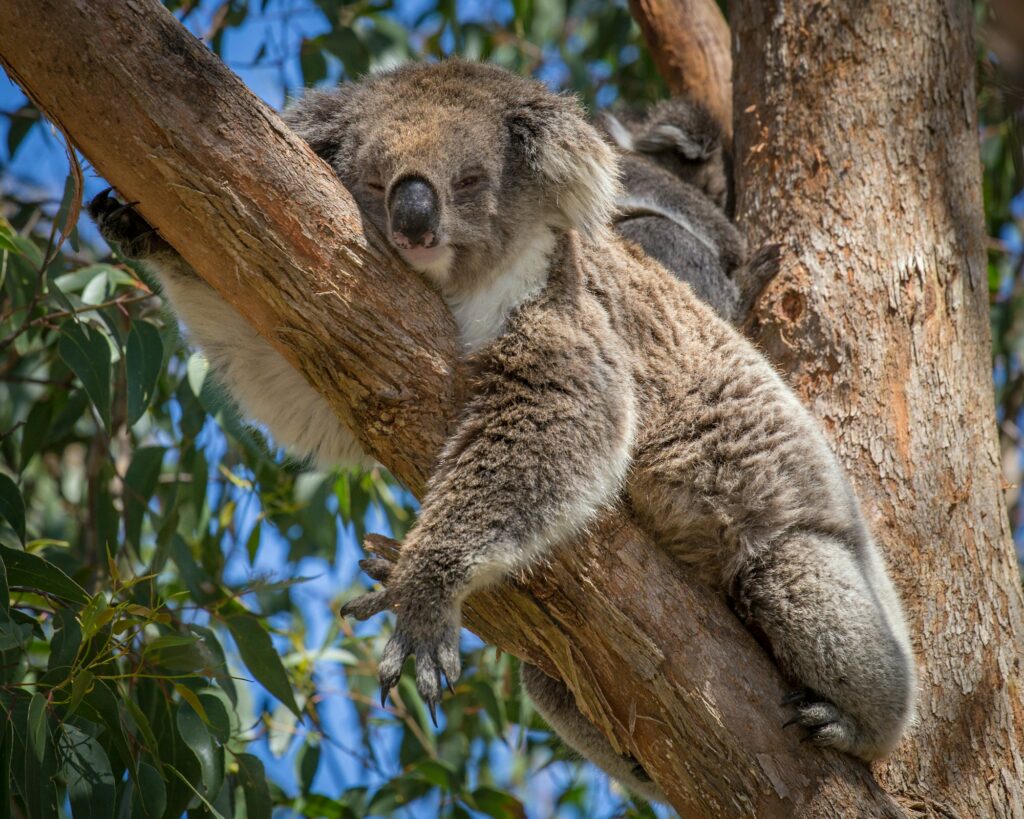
(415, 212)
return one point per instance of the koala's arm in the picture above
(543, 445)
(266, 387)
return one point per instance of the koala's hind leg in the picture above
(555, 702)
(819, 606)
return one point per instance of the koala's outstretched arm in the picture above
(543, 445)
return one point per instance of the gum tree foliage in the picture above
(167, 638)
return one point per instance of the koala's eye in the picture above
(374, 183)
(467, 182)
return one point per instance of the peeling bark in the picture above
(857, 146)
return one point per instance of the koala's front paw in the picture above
(427, 628)
(119, 223)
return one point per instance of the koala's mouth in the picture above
(435, 260)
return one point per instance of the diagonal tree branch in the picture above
(659, 663)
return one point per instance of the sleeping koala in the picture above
(596, 376)
(673, 204)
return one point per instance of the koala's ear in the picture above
(321, 118)
(679, 126)
(580, 169)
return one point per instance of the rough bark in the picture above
(689, 40)
(856, 138)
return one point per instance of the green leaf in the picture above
(5, 592)
(140, 483)
(199, 741)
(67, 637)
(311, 58)
(218, 663)
(86, 769)
(101, 706)
(306, 765)
(32, 572)
(81, 685)
(85, 350)
(143, 361)
(12, 507)
(35, 431)
(6, 755)
(13, 635)
(499, 804)
(149, 799)
(260, 657)
(7, 235)
(40, 762)
(254, 786)
(219, 713)
(144, 728)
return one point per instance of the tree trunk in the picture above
(658, 663)
(857, 148)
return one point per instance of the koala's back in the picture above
(726, 457)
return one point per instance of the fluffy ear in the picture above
(321, 118)
(551, 135)
(679, 126)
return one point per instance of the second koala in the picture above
(596, 374)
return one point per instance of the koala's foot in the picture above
(824, 722)
(427, 628)
(119, 223)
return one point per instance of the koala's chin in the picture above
(433, 262)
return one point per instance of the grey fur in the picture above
(674, 203)
(595, 374)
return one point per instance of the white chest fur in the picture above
(481, 312)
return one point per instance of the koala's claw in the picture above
(377, 568)
(119, 223)
(436, 649)
(367, 605)
(823, 721)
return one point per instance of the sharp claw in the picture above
(448, 684)
(384, 696)
(118, 211)
(433, 711)
(792, 721)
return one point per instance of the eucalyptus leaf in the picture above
(261, 658)
(86, 770)
(12, 507)
(254, 786)
(86, 351)
(143, 361)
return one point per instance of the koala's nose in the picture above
(415, 213)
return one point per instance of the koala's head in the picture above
(678, 135)
(459, 163)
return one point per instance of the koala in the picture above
(674, 203)
(596, 377)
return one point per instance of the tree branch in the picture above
(659, 663)
(689, 40)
